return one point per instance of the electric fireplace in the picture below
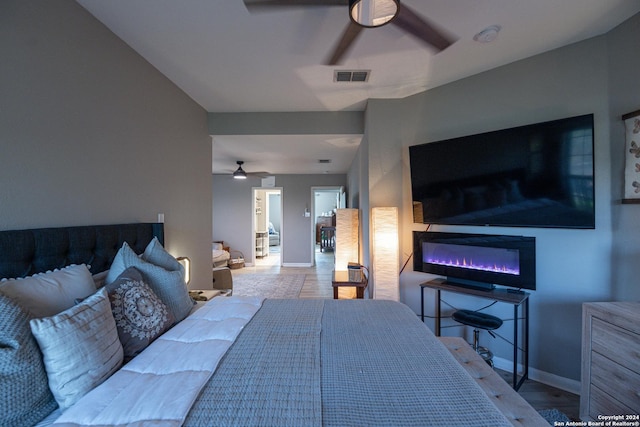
(477, 260)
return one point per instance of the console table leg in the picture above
(438, 313)
(422, 303)
(515, 347)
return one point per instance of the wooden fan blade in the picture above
(416, 25)
(344, 44)
(261, 5)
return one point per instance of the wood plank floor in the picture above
(318, 285)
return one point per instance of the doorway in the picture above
(267, 226)
(324, 203)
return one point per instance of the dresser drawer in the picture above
(615, 380)
(610, 359)
(617, 344)
(603, 404)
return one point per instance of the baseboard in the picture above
(296, 264)
(566, 384)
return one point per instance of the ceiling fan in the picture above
(367, 14)
(241, 174)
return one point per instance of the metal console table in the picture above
(519, 300)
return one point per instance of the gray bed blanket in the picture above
(340, 363)
(271, 375)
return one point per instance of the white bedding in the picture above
(172, 370)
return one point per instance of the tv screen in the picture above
(538, 175)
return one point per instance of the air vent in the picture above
(324, 161)
(354, 76)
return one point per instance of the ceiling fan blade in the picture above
(260, 5)
(416, 25)
(344, 44)
(261, 174)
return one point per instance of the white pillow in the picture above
(80, 348)
(168, 285)
(46, 294)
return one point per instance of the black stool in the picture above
(479, 321)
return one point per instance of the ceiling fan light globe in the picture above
(239, 175)
(373, 13)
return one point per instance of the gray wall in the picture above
(574, 266)
(624, 96)
(90, 133)
(289, 123)
(232, 213)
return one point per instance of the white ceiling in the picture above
(229, 60)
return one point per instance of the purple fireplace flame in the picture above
(495, 260)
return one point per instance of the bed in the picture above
(229, 361)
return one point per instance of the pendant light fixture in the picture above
(239, 173)
(373, 13)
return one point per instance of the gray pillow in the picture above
(156, 254)
(168, 285)
(139, 314)
(80, 348)
(25, 397)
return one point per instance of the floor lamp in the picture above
(385, 272)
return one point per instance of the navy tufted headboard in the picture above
(26, 252)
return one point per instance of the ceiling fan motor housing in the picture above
(240, 173)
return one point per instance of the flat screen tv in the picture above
(538, 175)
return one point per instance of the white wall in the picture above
(326, 202)
(573, 265)
(90, 133)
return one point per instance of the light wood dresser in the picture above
(610, 360)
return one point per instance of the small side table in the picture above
(341, 278)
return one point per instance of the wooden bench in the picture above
(506, 399)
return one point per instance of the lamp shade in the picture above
(373, 13)
(385, 256)
(347, 238)
(186, 263)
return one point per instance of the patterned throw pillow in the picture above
(140, 315)
(168, 285)
(25, 398)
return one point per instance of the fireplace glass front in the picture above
(477, 259)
